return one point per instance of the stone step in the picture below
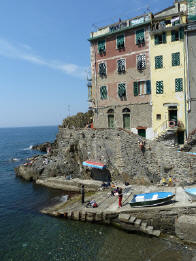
(137, 222)
(132, 219)
(124, 217)
(149, 229)
(156, 233)
(144, 225)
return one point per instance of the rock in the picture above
(185, 227)
(118, 150)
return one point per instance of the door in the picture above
(180, 136)
(110, 121)
(173, 115)
(126, 121)
(142, 133)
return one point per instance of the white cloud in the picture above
(24, 52)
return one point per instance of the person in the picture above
(82, 192)
(120, 197)
(170, 181)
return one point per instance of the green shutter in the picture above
(173, 36)
(135, 88)
(148, 87)
(120, 41)
(158, 62)
(103, 92)
(101, 46)
(175, 59)
(140, 36)
(156, 39)
(121, 90)
(159, 87)
(164, 37)
(179, 85)
(181, 33)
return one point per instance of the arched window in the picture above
(125, 110)
(126, 118)
(110, 118)
(110, 111)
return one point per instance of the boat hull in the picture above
(151, 202)
(191, 193)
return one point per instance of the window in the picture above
(159, 87)
(158, 116)
(110, 118)
(122, 91)
(178, 85)
(141, 88)
(175, 59)
(158, 62)
(177, 34)
(160, 38)
(120, 42)
(101, 46)
(140, 37)
(121, 65)
(102, 69)
(141, 62)
(103, 92)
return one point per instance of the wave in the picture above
(29, 148)
(15, 159)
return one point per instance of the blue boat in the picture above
(151, 199)
(191, 192)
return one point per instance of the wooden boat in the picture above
(151, 199)
(191, 192)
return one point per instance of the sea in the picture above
(28, 235)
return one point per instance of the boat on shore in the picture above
(151, 199)
(191, 192)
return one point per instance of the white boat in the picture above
(191, 192)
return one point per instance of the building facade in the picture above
(120, 93)
(191, 65)
(168, 72)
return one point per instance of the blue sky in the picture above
(44, 55)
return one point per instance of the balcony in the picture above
(167, 24)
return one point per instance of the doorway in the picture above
(172, 114)
(142, 132)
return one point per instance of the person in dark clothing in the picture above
(82, 192)
(120, 195)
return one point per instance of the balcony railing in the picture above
(170, 126)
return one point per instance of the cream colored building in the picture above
(168, 72)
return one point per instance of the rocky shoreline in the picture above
(61, 168)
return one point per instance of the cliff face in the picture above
(119, 150)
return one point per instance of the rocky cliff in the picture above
(119, 150)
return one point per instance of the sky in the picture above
(45, 55)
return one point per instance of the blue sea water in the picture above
(27, 235)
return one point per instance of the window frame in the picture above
(144, 54)
(119, 72)
(136, 37)
(156, 57)
(117, 41)
(179, 81)
(160, 87)
(174, 59)
(104, 46)
(123, 98)
(102, 75)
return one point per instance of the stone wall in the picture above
(119, 150)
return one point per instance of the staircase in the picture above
(138, 225)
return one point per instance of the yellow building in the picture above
(168, 72)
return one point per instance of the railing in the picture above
(165, 126)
